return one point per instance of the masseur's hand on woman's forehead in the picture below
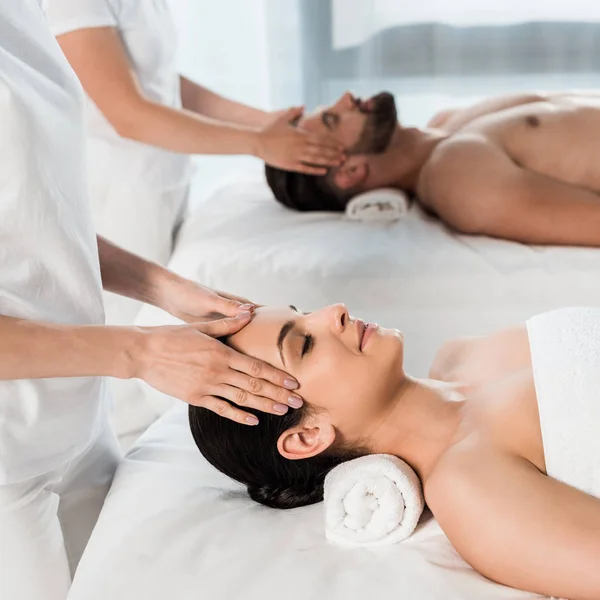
(188, 363)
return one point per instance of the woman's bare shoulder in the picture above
(480, 359)
(514, 524)
(450, 356)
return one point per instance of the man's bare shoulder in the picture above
(456, 154)
(457, 177)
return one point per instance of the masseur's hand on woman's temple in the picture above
(295, 149)
(188, 363)
(194, 303)
(185, 361)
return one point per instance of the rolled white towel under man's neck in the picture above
(374, 500)
(383, 204)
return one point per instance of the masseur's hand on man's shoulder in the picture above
(186, 361)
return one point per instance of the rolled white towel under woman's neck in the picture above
(383, 204)
(374, 500)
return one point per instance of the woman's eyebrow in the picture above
(287, 327)
(297, 311)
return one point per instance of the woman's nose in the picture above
(340, 316)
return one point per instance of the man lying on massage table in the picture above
(524, 168)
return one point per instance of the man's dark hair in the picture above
(306, 192)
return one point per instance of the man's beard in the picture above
(380, 126)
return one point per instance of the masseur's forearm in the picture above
(33, 350)
(129, 275)
(201, 100)
(183, 131)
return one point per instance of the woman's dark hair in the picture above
(249, 455)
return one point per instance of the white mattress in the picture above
(173, 527)
(414, 275)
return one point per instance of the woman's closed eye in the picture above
(307, 346)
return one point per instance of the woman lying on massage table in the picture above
(501, 437)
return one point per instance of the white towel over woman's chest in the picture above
(565, 356)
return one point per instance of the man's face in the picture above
(361, 126)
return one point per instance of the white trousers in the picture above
(46, 522)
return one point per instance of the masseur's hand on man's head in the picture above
(292, 148)
(185, 361)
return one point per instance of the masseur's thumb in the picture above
(223, 327)
(229, 307)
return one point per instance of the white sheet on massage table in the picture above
(173, 527)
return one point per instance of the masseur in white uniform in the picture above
(57, 452)
(145, 120)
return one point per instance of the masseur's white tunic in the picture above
(138, 192)
(56, 454)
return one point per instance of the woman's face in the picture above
(348, 370)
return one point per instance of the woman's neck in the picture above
(422, 424)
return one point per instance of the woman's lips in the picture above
(367, 333)
(361, 327)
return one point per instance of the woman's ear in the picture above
(352, 173)
(306, 441)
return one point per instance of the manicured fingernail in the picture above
(295, 401)
(244, 315)
(280, 409)
(248, 307)
(290, 384)
(252, 420)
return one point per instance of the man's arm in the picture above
(452, 120)
(480, 190)
(201, 100)
(518, 527)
